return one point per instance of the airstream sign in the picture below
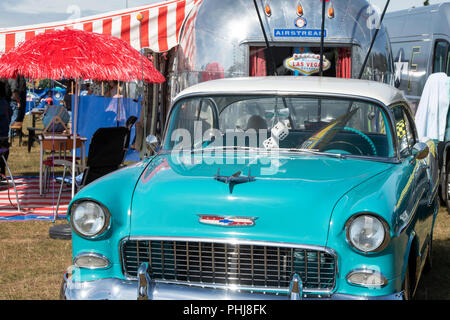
(303, 33)
(306, 63)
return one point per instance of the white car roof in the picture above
(384, 93)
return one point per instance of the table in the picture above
(32, 136)
(35, 112)
(59, 143)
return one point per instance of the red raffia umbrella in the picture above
(76, 54)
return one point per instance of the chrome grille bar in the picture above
(260, 265)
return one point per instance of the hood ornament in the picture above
(234, 179)
(227, 221)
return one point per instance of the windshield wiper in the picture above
(225, 148)
(282, 150)
(318, 153)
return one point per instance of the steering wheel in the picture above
(337, 146)
(364, 136)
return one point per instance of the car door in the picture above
(417, 214)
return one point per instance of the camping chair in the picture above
(16, 129)
(59, 150)
(3, 151)
(106, 154)
(129, 124)
(32, 131)
(55, 120)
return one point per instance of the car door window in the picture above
(440, 57)
(195, 116)
(404, 131)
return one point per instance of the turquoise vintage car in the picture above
(265, 188)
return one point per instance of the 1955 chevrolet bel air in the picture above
(264, 188)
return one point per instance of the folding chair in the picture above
(60, 150)
(16, 129)
(55, 119)
(106, 153)
(129, 124)
(3, 151)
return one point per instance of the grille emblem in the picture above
(227, 221)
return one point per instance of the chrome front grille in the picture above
(262, 266)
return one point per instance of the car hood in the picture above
(292, 196)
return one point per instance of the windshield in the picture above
(283, 123)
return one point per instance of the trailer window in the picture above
(440, 63)
(448, 63)
(261, 63)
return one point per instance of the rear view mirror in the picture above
(153, 143)
(420, 151)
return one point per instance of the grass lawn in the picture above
(32, 264)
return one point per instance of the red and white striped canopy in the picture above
(158, 30)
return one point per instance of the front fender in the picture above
(379, 195)
(115, 192)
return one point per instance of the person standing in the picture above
(18, 99)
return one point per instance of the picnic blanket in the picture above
(33, 206)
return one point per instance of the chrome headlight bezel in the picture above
(383, 222)
(105, 211)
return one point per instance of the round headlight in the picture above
(367, 233)
(89, 218)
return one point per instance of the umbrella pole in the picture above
(74, 131)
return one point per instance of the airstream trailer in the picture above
(420, 40)
(223, 39)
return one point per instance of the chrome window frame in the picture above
(407, 111)
(394, 159)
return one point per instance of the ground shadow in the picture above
(435, 285)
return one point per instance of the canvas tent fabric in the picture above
(159, 29)
(99, 112)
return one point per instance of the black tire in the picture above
(446, 189)
(429, 261)
(442, 191)
(61, 231)
(406, 288)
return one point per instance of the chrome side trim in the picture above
(411, 216)
(434, 192)
(232, 241)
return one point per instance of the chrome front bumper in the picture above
(145, 288)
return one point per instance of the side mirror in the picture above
(420, 151)
(153, 143)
